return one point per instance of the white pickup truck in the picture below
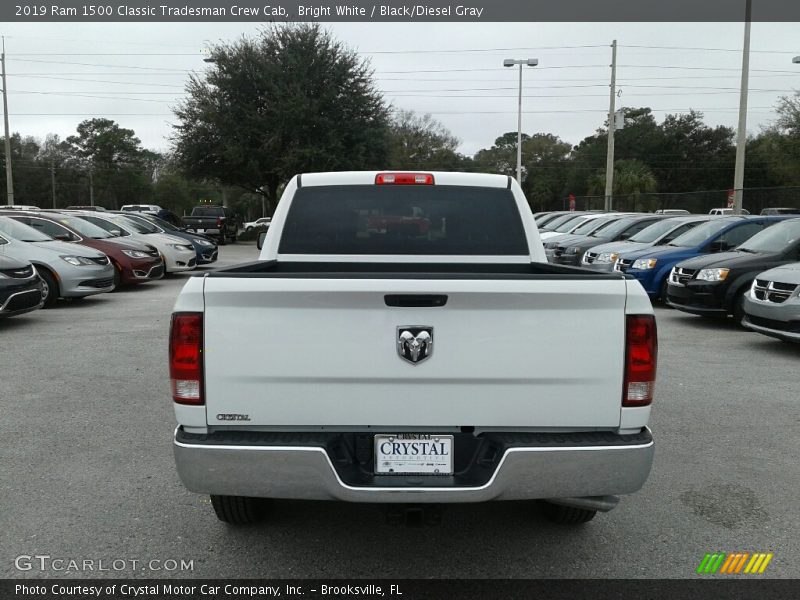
(402, 339)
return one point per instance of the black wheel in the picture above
(249, 229)
(117, 277)
(222, 239)
(50, 291)
(566, 515)
(663, 292)
(235, 236)
(738, 309)
(164, 262)
(240, 510)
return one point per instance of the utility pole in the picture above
(741, 133)
(611, 125)
(91, 189)
(53, 180)
(9, 175)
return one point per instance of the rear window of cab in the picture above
(403, 219)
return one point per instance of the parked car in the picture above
(154, 210)
(572, 226)
(421, 322)
(672, 211)
(587, 226)
(177, 254)
(20, 286)
(263, 222)
(715, 285)
(19, 207)
(150, 208)
(772, 306)
(725, 211)
(67, 270)
(218, 221)
(663, 231)
(560, 220)
(575, 252)
(84, 207)
(543, 220)
(134, 262)
(652, 266)
(205, 248)
(780, 211)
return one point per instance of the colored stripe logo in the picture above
(734, 563)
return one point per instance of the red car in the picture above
(134, 262)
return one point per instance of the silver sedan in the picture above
(67, 270)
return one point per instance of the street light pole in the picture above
(741, 133)
(519, 129)
(9, 175)
(510, 62)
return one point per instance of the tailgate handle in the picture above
(415, 300)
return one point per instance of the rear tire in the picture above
(738, 309)
(566, 515)
(117, 277)
(240, 510)
(663, 293)
(50, 293)
(222, 239)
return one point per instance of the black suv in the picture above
(715, 284)
(20, 287)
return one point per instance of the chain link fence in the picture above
(754, 200)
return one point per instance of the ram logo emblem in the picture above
(414, 343)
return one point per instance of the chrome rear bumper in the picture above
(307, 472)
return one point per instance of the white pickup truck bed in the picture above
(309, 386)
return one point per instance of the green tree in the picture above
(421, 142)
(631, 178)
(788, 112)
(121, 170)
(544, 158)
(31, 181)
(289, 101)
(502, 156)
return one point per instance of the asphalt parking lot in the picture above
(87, 469)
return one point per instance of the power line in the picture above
(434, 95)
(737, 50)
(65, 62)
(78, 95)
(136, 83)
(430, 51)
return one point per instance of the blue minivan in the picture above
(651, 266)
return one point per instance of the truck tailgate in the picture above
(506, 353)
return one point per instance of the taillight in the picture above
(404, 179)
(641, 351)
(186, 358)
(219, 221)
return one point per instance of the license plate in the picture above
(413, 453)
(201, 231)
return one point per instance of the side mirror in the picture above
(115, 232)
(63, 237)
(260, 242)
(624, 236)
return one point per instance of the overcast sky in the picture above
(134, 73)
